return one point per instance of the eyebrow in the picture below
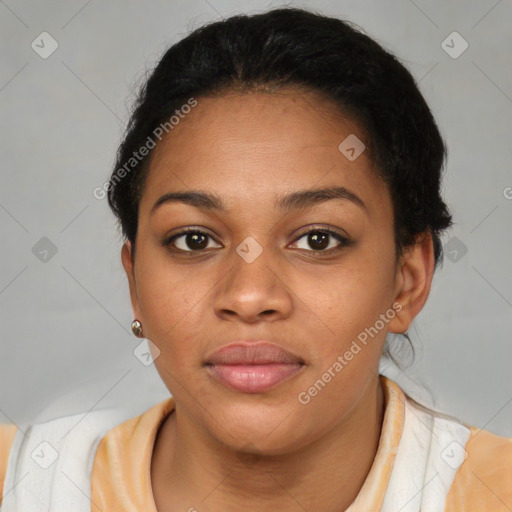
(301, 199)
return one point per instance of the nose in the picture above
(255, 291)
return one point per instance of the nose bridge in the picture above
(252, 285)
(253, 267)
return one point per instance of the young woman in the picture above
(279, 192)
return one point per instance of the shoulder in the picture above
(7, 433)
(122, 462)
(131, 440)
(484, 479)
(479, 461)
(66, 448)
(44, 455)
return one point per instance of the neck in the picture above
(324, 475)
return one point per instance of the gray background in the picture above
(66, 344)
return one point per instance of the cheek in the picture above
(349, 303)
(351, 295)
(171, 302)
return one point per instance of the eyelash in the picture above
(344, 242)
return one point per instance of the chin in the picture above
(266, 430)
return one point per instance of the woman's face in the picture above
(255, 273)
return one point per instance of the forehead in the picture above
(252, 147)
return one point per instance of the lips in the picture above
(253, 367)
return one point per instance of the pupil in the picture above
(314, 238)
(193, 243)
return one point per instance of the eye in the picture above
(189, 240)
(322, 241)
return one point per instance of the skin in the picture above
(223, 450)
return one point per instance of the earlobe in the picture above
(413, 281)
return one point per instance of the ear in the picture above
(129, 268)
(413, 281)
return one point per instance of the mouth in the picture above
(253, 367)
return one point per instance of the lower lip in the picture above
(253, 378)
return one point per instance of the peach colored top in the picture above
(121, 482)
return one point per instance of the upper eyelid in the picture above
(314, 227)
